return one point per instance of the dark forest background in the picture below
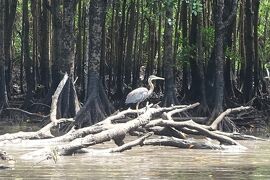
(215, 52)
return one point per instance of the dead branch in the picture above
(170, 113)
(225, 113)
(45, 131)
(22, 113)
(117, 130)
(239, 136)
(181, 143)
(131, 144)
(55, 99)
(193, 126)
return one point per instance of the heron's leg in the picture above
(137, 108)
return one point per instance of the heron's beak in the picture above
(160, 78)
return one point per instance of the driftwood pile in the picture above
(152, 125)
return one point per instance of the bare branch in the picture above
(225, 113)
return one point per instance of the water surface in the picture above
(147, 162)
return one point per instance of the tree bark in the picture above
(184, 24)
(78, 55)
(28, 65)
(68, 38)
(130, 42)
(45, 73)
(220, 26)
(3, 91)
(249, 50)
(228, 45)
(121, 52)
(200, 67)
(97, 105)
(10, 12)
(170, 93)
(56, 44)
(257, 61)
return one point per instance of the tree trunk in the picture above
(135, 49)
(228, 44)
(257, 61)
(121, 50)
(34, 52)
(79, 59)
(159, 84)
(97, 105)
(242, 50)
(130, 42)
(27, 59)
(200, 67)
(3, 91)
(184, 24)
(151, 47)
(56, 44)
(170, 94)
(85, 51)
(68, 38)
(44, 54)
(249, 47)
(195, 86)
(220, 27)
(10, 12)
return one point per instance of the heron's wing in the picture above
(137, 95)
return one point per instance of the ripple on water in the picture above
(148, 163)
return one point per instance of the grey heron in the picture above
(140, 94)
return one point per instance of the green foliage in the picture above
(184, 53)
(264, 51)
(195, 6)
(263, 32)
(232, 55)
(208, 34)
(17, 33)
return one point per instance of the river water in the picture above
(147, 162)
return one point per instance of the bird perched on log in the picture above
(140, 94)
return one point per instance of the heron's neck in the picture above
(151, 87)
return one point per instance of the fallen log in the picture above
(181, 143)
(127, 146)
(116, 131)
(45, 131)
(193, 126)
